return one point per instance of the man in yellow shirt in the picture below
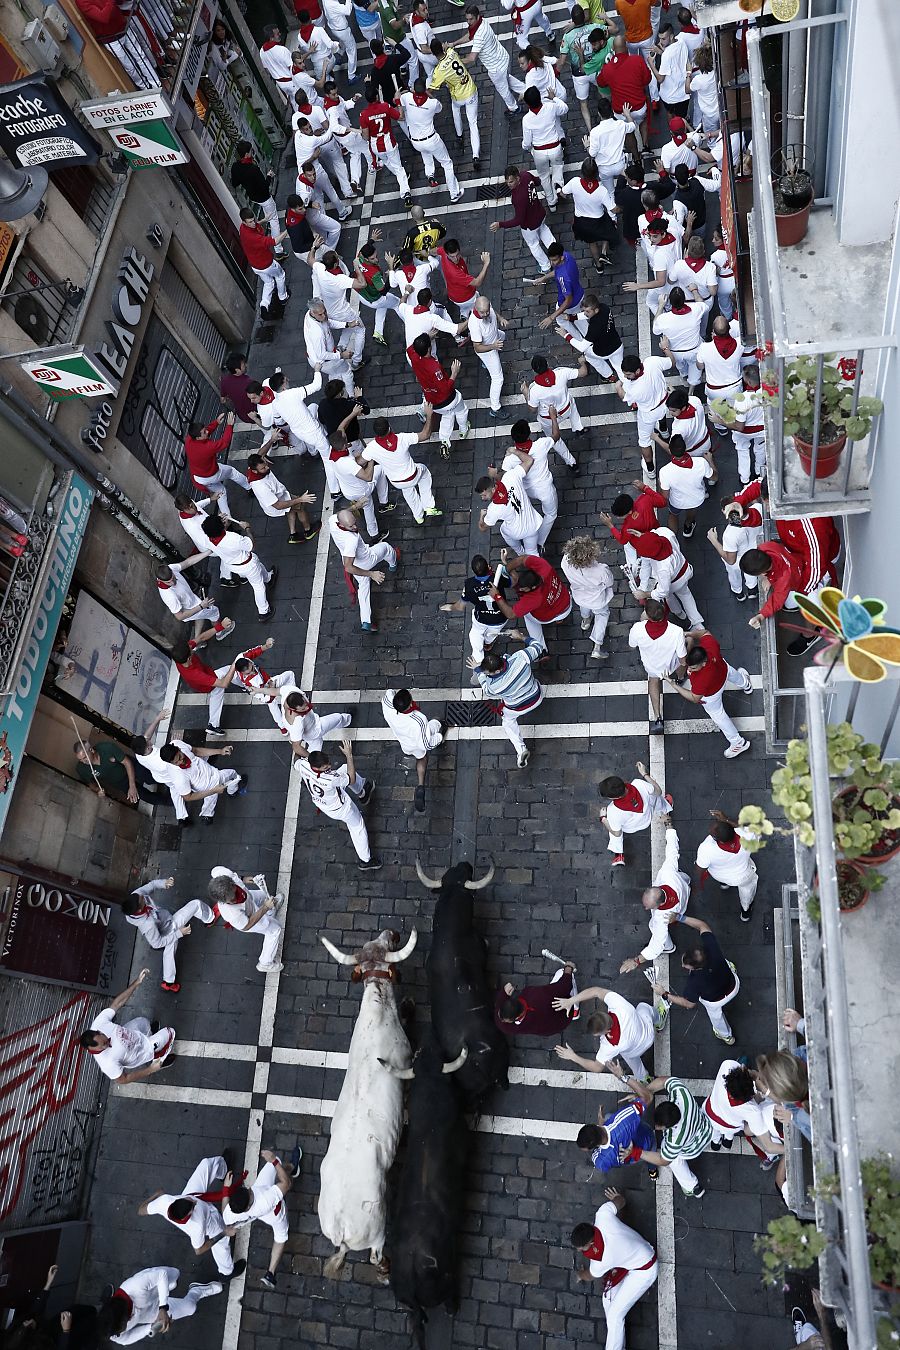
(451, 71)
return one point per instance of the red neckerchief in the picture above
(418, 18)
(413, 707)
(733, 845)
(725, 346)
(254, 476)
(379, 61)
(181, 1221)
(671, 899)
(614, 1035)
(686, 414)
(247, 159)
(732, 1101)
(308, 181)
(589, 185)
(120, 1293)
(188, 515)
(683, 461)
(524, 445)
(419, 309)
(388, 442)
(216, 538)
(655, 213)
(138, 912)
(655, 627)
(293, 215)
(329, 102)
(306, 31)
(500, 496)
(164, 585)
(664, 239)
(689, 28)
(267, 396)
(338, 454)
(695, 264)
(305, 108)
(630, 800)
(679, 137)
(547, 380)
(409, 271)
(474, 27)
(594, 1250)
(267, 46)
(420, 100)
(335, 271)
(684, 309)
(637, 374)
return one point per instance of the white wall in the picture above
(868, 183)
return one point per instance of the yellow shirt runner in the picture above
(451, 72)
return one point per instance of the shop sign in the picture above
(37, 126)
(149, 145)
(18, 708)
(68, 372)
(122, 110)
(58, 932)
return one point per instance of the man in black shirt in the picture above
(389, 70)
(601, 345)
(335, 410)
(424, 233)
(712, 980)
(692, 193)
(487, 620)
(256, 186)
(627, 193)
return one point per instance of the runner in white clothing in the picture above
(733, 1109)
(305, 727)
(337, 16)
(182, 601)
(592, 586)
(196, 1213)
(421, 33)
(742, 533)
(361, 484)
(542, 134)
(643, 386)
(361, 561)
(331, 789)
(422, 315)
(130, 1051)
(278, 503)
(630, 807)
(487, 330)
(322, 352)
(666, 901)
(244, 903)
(721, 360)
(391, 450)
(260, 685)
(621, 1258)
(264, 1199)
(683, 480)
(533, 456)
(277, 60)
(419, 110)
(237, 551)
(606, 143)
(670, 572)
(524, 14)
(159, 927)
(722, 854)
(290, 405)
(200, 779)
(679, 324)
(623, 1029)
(191, 516)
(509, 506)
(695, 274)
(662, 647)
(548, 395)
(144, 1305)
(334, 285)
(494, 57)
(416, 733)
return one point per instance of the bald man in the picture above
(361, 561)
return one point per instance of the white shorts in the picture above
(582, 85)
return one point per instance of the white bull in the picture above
(365, 1127)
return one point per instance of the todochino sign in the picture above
(68, 372)
(37, 126)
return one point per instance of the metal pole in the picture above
(861, 1324)
(817, 423)
(892, 717)
(795, 88)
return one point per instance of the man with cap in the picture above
(416, 733)
(618, 1256)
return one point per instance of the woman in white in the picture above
(540, 74)
(662, 648)
(416, 733)
(591, 583)
(248, 909)
(703, 88)
(487, 330)
(595, 213)
(623, 1028)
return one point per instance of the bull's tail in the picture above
(335, 1264)
(418, 1319)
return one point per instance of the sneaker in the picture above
(420, 520)
(366, 795)
(476, 163)
(598, 654)
(419, 801)
(798, 1322)
(726, 1040)
(714, 1146)
(742, 596)
(373, 865)
(230, 582)
(523, 757)
(653, 1173)
(445, 449)
(433, 511)
(226, 628)
(495, 412)
(586, 623)
(170, 988)
(313, 530)
(397, 556)
(748, 683)
(239, 1268)
(801, 644)
(380, 339)
(657, 727)
(464, 434)
(296, 1155)
(618, 860)
(369, 627)
(387, 506)
(268, 1280)
(345, 215)
(768, 1162)
(662, 1013)
(433, 182)
(697, 1193)
(272, 969)
(737, 749)
(295, 539)
(747, 913)
(688, 530)
(457, 198)
(217, 732)
(727, 1143)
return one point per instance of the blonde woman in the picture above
(591, 583)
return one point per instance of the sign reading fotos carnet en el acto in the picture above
(37, 126)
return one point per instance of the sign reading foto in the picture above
(37, 126)
(119, 110)
(68, 372)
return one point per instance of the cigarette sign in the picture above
(148, 145)
(68, 372)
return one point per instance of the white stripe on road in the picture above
(542, 732)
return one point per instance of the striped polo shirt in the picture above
(693, 1133)
(515, 685)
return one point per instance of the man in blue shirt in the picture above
(619, 1140)
(569, 291)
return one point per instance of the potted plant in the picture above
(787, 1245)
(793, 190)
(838, 421)
(855, 885)
(882, 1192)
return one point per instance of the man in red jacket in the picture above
(439, 389)
(202, 449)
(803, 559)
(528, 214)
(462, 287)
(709, 675)
(259, 250)
(543, 596)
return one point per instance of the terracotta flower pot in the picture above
(791, 226)
(829, 456)
(888, 845)
(852, 894)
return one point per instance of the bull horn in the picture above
(338, 955)
(425, 879)
(456, 1063)
(392, 958)
(405, 1074)
(485, 881)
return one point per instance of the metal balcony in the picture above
(157, 43)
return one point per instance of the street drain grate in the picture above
(470, 714)
(168, 838)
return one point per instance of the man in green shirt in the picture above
(601, 47)
(576, 49)
(686, 1129)
(107, 769)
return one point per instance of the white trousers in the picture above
(390, 159)
(509, 720)
(600, 616)
(548, 165)
(604, 365)
(273, 279)
(684, 1175)
(164, 1039)
(507, 86)
(335, 367)
(621, 1298)
(232, 781)
(270, 931)
(259, 577)
(432, 148)
(548, 501)
(344, 36)
(470, 106)
(725, 297)
(180, 1307)
(527, 544)
(570, 418)
(194, 909)
(224, 474)
(537, 241)
(482, 635)
(714, 1010)
(609, 173)
(686, 365)
(658, 807)
(682, 601)
(536, 628)
(531, 16)
(382, 306)
(746, 887)
(383, 553)
(491, 362)
(205, 1176)
(714, 707)
(270, 213)
(418, 494)
(352, 339)
(331, 722)
(744, 444)
(454, 414)
(352, 817)
(323, 225)
(379, 486)
(736, 579)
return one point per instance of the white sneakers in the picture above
(522, 757)
(272, 969)
(737, 749)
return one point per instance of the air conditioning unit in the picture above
(41, 46)
(56, 23)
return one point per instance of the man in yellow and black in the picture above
(451, 71)
(424, 234)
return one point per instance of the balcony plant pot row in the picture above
(839, 422)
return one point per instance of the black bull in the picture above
(462, 1011)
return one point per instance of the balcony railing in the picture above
(155, 45)
(802, 310)
(835, 974)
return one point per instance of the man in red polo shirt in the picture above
(202, 679)
(626, 75)
(634, 513)
(543, 595)
(439, 389)
(709, 675)
(462, 287)
(259, 250)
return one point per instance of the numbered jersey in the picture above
(328, 789)
(451, 72)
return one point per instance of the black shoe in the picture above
(270, 612)
(419, 801)
(744, 595)
(575, 470)
(653, 1173)
(217, 732)
(268, 1280)
(697, 1193)
(185, 824)
(715, 1147)
(366, 795)
(154, 1028)
(802, 644)
(746, 913)
(373, 865)
(273, 578)
(476, 164)
(387, 506)
(657, 727)
(230, 583)
(689, 530)
(727, 1143)
(239, 1268)
(313, 530)
(296, 539)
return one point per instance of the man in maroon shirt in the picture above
(626, 76)
(233, 387)
(439, 389)
(259, 250)
(202, 679)
(530, 1011)
(203, 449)
(543, 596)
(528, 214)
(709, 675)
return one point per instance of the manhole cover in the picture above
(471, 714)
(168, 838)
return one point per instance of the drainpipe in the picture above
(795, 84)
(819, 83)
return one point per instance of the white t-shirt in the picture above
(128, 1048)
(486, 45)
(516, 516)
(417, 320)
(636, 1032)
(419, 117)
(722, 372)
(682, 330)
(232, 548)
(327, 789)
(686, 485)
(177, 595)
(706, 87)
(268, 491)
(484, 328)
(334, 288)
(193, 526)
(555, 395)
(413, 729)
(680, 274)
(660, 655)
(672, 154)
(673, 65)
(538, 479)
(203, 1222)
(747, 1113)
(591, 586)
(347, 470)
(266, 1200)
(398, 464)
(723, 864)
(606, 143)
(739, 539)
(649, 389)
(622, 1246)
(589, 205)
(351, 546)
